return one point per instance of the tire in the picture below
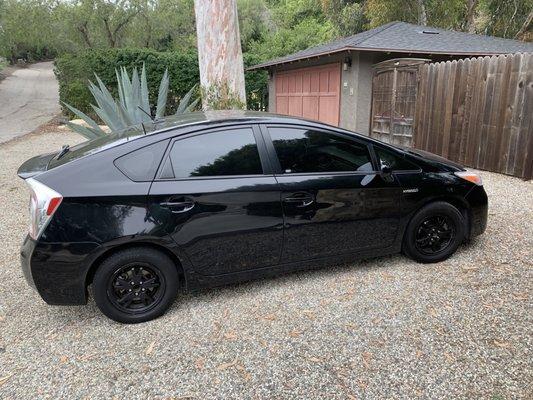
(135, 285)
(434, 233)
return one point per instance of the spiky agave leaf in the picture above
(92, 123)
(133, 105)
(106, 109)
(120, 89)
(185, 104)
(145, 95)
(192, 106)
(83, 131)
(162, 96)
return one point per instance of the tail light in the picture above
(43, 204)
(470, 177)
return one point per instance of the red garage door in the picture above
(312, 93)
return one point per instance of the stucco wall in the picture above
(356, 88)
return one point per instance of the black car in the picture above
(209, 199)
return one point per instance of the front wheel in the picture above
(135, 285)
(434, 233)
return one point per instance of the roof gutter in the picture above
(373, 49)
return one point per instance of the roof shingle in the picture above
(402, 37)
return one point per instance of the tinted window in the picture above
(141, 165)
(394, 161)
(232, 152)
(301, 150)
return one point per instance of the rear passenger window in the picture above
(221, 153)
(302, 150)
(141, 165)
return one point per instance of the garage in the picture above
(311, 93)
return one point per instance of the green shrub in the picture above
(256, 84)
(74, 71)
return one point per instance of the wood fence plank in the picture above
(525, 118)
(459, 91)
(444, 142)
(516, 116)
(505, 133)
(470, 68)
(479, 112)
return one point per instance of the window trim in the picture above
(278, 171)
(265, 162)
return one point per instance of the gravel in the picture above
(382, 328)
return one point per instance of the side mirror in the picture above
(386, 170)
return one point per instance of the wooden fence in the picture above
(478, 112)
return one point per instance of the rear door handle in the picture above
(178, 207)
(300, 199)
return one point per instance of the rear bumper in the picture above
(479, 208)
(57, 270)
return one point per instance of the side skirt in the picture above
(197, 281)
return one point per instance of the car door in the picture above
(334, 199)
(216, 196)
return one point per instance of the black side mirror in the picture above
(386, 170)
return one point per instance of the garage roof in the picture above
(401, 37)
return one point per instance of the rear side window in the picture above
(221, 153)
(304, 151)
(141, 165)
(394, 161)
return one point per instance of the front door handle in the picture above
(300, 199)
(178, 207)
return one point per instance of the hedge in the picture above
(73, 72)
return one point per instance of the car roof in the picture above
(219, 117)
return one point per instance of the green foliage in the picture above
(219, 96)
(74, 71)
(256, 84)
(309, 32)
(505, 18)
(132, 108)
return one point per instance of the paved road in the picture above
(28, 98)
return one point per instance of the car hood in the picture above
(426, 155)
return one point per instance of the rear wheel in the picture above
(135, 285)
(434, 233)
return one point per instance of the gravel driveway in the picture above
(383, 328)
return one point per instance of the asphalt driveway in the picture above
(382, 328)
(29, 97)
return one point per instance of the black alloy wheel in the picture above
(135, 285)
(434, 233)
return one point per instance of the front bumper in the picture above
(57, 270)
(479, 209)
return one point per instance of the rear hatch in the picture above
(44, 162)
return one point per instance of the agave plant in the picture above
(131, 108)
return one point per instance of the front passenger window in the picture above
(393, 161)
(306, 150)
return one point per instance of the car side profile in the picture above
(214, 198)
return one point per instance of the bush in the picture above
(73, 71)
(256, 84)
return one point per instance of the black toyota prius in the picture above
(213, 198)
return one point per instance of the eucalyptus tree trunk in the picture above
(219, 54)
(422, 14)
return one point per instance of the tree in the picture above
(219, 54)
